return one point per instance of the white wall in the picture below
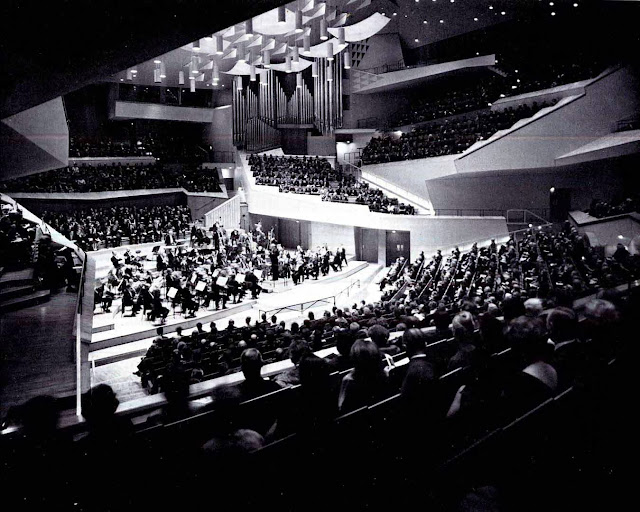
(136, 110)
(332, 234)
(607, 100)
(427, 233)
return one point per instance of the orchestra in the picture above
(217, 266)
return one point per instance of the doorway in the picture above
(366, 242)
(398, 244)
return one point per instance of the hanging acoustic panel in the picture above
(363, 29)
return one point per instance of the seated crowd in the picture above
(316, 176)
(89, 228)
(601, 209)
(445, 137)
(168, 148)
(486, 354)
(17, 236)
(101, 178)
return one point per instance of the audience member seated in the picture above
(601, 209)
(107, 178)
(316, 176)
(95, 226)
(367, 382)
(446, 137)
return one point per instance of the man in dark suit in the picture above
(418, 386)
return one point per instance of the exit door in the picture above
(398, 244)
(366, 242)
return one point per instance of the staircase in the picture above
(19, 289)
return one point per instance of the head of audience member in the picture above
(562, 324)
(251, 364)
(528, 339)
(365, 356)
(463, 327)
(314, 375)
(414, 342)
(491, 332)
(99, 405)
(379, 335)
(298, 349)
(533, 307)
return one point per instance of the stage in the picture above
(113, 328)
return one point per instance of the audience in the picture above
(103, 178)
(445, 137)
(95, 226)
(316, 176)
(602, 209)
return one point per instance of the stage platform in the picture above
(111, 329)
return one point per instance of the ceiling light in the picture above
(157, 61)
(299, 81)
(341, 39)
(180, 77)
(491, 7)
(347, 59)
(240, 53)
(306, 44)
(122, 79)
(503, 13)
(266, 58)
(248, 27)
(329, 73)
(215, 73)
(576, 4)
(417, 40)
(219, 45)
(323, 29)
(475, 19)
(239, 83)
(252, 73)
(424, 22)
(134, 71)
(196, 46)
(329, 51)
(441, 21)
(551, 4)
(553, 14)
(208, 38)
(282, 14)
(299, 28)
(395, 13)
(314, 69)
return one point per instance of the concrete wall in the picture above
(358, 142)
(157, 112)
(333, 235)
(380, 105)
(219, 133)
(322, 145)
(427, 233)
(530, 188)
(40, 205)
(34, 140)
(607, 100)
(383, 49)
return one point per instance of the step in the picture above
(10, 292)
(25, 300)
(17, 277)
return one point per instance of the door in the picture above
(398, 244)
(366, 241)
(559, 204)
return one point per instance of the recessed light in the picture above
(551, 4)
(441, 21)
(417, 40)
(424, 22)
(491, 7)
(395, 13)
(122, 79)
(576, 4)
(475, 19)
(503, 13)
(553, 14)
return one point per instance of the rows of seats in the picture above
(167, 148)
(601, 209)
(102, 178)
(445, 137)
(316, 176)
(93, 228)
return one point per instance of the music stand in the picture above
(222, 281)
(240, 278)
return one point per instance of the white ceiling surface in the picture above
(418, 22)
(268, 33)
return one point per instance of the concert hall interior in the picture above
(393, 243)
